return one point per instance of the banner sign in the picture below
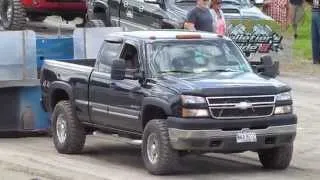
(261, 39)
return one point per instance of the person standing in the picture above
(200, 18)
(297, 14)
(279, 10)
(219, 23)
(315, 30)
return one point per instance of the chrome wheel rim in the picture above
(153, 148)
(61, 128)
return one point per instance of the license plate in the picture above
(246, 136)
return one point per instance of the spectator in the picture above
(200, 18)
(219, 23)
(315, 30)
(279, 10)
(297, 14)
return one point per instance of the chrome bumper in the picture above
(219, 140)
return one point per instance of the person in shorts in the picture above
(279, 10)
(297, 14)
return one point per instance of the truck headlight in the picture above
(192, 99)
(286, 96)
(194, 113)
(283, 109)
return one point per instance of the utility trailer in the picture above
(21, 57)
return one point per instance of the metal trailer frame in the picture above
(22, 54)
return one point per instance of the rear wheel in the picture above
(276, 158)
(104, 17)
(68, 133)
(13, 15)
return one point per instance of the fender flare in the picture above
(158, 102)
(59, 85)
(105, 6)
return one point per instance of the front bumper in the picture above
(223, 138)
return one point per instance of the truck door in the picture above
(99, 89)
(126, 95)
(141, 15)
(149, 15)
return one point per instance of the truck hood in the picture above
(244, 12)
(222, 84)
(230, 11)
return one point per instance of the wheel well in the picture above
(152, 112)
(99, 10)
(58, 95)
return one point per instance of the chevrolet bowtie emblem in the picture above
(244, 105)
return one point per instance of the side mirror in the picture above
(118, 70)
(267, 67)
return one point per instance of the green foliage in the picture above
(302, 49)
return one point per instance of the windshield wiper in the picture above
(175, 71)
(184, 1)
(220, 70)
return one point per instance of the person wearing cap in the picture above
(315, 30)
(200, 17)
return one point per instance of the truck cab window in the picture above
(130, 55)
(110, 52)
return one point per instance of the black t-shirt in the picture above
(296, 2)
(201, 18)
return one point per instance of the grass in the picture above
(302, 50)
(301, 47)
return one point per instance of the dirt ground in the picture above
(106, 158)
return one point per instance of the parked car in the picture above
(243, 9)
(14, 13)
(162, 14)
(179, 92)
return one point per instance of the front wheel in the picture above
(158, 156)
(68, 133)
(276, 158)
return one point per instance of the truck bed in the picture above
(84, 62)
(62, 69)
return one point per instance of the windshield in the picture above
(196, 57)
(236, 2)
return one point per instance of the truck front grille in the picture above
(237, 107)
(231, 11)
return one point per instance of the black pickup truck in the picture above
(162, 14)
(177, 91)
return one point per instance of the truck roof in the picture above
(167, 34)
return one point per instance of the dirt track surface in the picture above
(105, 158)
